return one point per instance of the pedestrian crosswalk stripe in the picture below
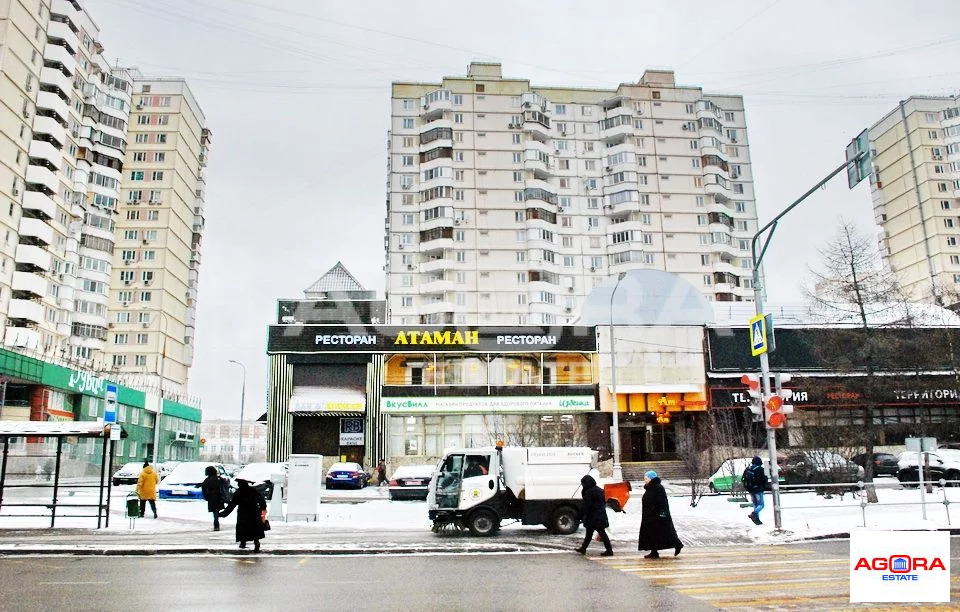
(660, 565)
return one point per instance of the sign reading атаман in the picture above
(403, 339)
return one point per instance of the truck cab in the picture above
(477, 488)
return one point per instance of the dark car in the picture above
(348, 474)
(884, 464)
(819, 467)
(411, 482)
(943, 464)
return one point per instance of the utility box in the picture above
(304, 477)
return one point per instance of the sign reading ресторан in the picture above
(404, 339)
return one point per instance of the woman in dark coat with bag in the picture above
(250, 507)
(656, 526)
(594, 515)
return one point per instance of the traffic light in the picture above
(753, 389)
(775, 414)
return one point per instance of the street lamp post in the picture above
(615, 429)
(243, 398)
(162, 345)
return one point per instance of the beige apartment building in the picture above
(159, 226)
(508, 203)
(23, 28)
(916, 195)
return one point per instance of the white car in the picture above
(260, 476)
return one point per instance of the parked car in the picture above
(727, 477)
(185, 480)
(944, 463)
(128, 474)
(163, 469)
(346, 474)
(232, 468)
(259, 476)
(411, 481)
(819, 467)
(884, 464)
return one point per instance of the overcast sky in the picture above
(297, 96)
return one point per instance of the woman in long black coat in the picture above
(249, 504)
(656, 526)
(213, 493)
(594, 515)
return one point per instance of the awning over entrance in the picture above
(80, 429)
(327, 401)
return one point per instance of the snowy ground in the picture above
(715, 520)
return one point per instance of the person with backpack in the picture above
(754, 481)
(216, 491)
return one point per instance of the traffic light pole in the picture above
(764, 359)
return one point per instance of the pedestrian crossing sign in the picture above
(758, 335)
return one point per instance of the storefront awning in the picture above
(327, 401)
(656, 388)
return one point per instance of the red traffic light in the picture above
(751, 380)
(775, 403)
(776, 420)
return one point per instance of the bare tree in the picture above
(855, 289)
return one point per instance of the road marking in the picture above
(92, 582)
(659, 567)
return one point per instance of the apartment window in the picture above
(588, 147)
(522, 277)
(740, 206)
(705, 260)
(461, 256)
(944, 205)
(120, 338)
(955, 260)
(596, 263)
(157, 175)
(521, 256)
(517, 177)
(560, 109)
(142, 338)
(161, 138)
(146, 296)
(461, 278)
(459, 236)
(457, 100)
(689, 109)
(594, 242)
(408, 123)
(143, 120)
(694, 144)
(566, 221)
(699, 201)
(933, 134)
(480, 88)
(732, 135)
(141, 138)
(458, 156)
(140, 156)
(123, 317)
(407, 142)
(702, 220)
(586, 111)
(942, 187)
(520, 236)
(458, 117)
(125, 296)
(951, 241)
(140, 360)
(568, 261)
(153, 215)
(645, 198)
(136, 175)
(518, 215)
(119, 360)
(516, 138)
(521, 298)
(147, 277)
(406, 160)
(743, 226)
(707, 279)
(458, 195)
(128, 255)
(130, 234)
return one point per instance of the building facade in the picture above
(219, 439)
(916, 195)
(508, 203)
(159, 227)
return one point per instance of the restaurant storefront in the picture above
(418, 391)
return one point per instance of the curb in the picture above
(233, 552)
(953, 531)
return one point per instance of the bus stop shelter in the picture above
(22, 491)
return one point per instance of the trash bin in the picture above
(133, 506)
(617, 494)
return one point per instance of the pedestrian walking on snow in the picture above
(754, 481)
(147, 488)
(656, 526)
(213, 491)
(251, 511)
(594, 515)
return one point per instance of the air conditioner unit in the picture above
(411, 267)
(400, 246)
(147, 283)
(26, 112)
(125, 304)
(685, 127)
(404, 186)
(75, 133)
(28, 86)
(938, 157)
(15, 191)
(126, 282)
(570, 289)
(457, 221)
(733, 140)
(609, 168)
(734, 176)
(127, 262)
(569, 309)
(146, 241)
(593, 269)
(145, 325)
(139, 106)
(109, 325)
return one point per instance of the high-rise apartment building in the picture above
(23, 27)
(159, 226)
(79, 120)
(507, 203)
(916, 195)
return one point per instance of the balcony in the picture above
(617, 128)
(432, 308)
(436, 264)
(60, 55)
(51, 127)
(19, 336)
(61, 31)
(51, 101)
(26, 311)
(36, 256)
(537, 125)
(436, 102)
(40, 203)
(29, 285)
(437, 223)
(43, 178)
(437, 285)
(42, 149)
(36, 232)
(55, 77)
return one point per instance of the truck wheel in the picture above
(565, 520)
(483, 523)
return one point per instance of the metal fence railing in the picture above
(927, 489)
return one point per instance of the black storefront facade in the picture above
(914, 390)
(365, 392)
